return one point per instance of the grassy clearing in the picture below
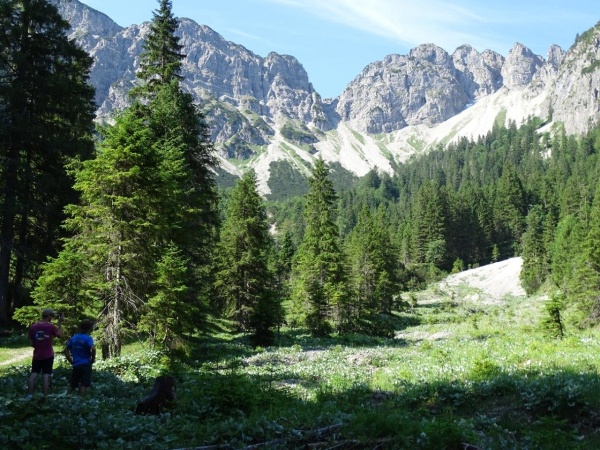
(14, 349)
(459, 371)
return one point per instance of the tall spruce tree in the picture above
(46, 110)
(114, 231)
(160, 62)
(363, 267)
(183, 140)
(320, 298)
(243, 281)
(431, 223)
(376, 270)
(564, 249)
(283, 266)
(147, 219)
(187, 150)
(510, 210)
(584, 286)
(535, 266)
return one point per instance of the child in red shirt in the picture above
(40, 337)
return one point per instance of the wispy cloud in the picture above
(252, 37)
(413, 22)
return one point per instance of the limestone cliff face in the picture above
(388, 95)
(479, 74)
(276, 87)
(88, 24)
(575, 100)
(429, 86)
(264, 109)
(519, 67)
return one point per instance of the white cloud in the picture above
(413, 22)
(252, 37)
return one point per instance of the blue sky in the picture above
(335, 39)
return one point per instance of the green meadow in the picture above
(461, 373)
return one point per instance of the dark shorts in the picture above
(42, 365)
(81, 375)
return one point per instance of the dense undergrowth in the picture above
(459, 373)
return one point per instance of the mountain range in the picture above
(264, 113)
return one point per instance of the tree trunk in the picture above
(16, 139)
(7, 231)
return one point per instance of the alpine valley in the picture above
(264, 113)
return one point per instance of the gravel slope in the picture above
(493, 281)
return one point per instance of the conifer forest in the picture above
(129, 224)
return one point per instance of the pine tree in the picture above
(468, 240)
(187, 152)
(47, 115)
(114, 231)
(364, 274)
(431, 224)
(319, 298)
(286, 254)
(564, 249)
(243, 281)
(535, 267)
(161, 57)
(283, 266)
(510, 210)
(376, 271)
(187, 161)
(584, 287)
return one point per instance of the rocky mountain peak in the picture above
(288, 68)
(91, 24)
(464, 53)
(431, 53)
(520, 66)
(554, 56)
(478, 73)
(264, 109)
(576, 99)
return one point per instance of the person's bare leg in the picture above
(31, 383)
(82, 390)
(46, 383)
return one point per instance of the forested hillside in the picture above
(521, 190)
(146, 245)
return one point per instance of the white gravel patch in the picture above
(494, 281)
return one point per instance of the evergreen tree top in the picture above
(161, 60)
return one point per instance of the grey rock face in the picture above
(275, 87)
(520, 66)
(546, 75)
(478, 73)
(249, 99)
(576, 99)
(91, 25)
(427, 86)
(403, 90)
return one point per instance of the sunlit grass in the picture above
(458, 371)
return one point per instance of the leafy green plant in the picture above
(438, 383)
(552, 323)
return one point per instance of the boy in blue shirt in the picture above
(81, 353)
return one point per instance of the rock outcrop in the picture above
(576, 91)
